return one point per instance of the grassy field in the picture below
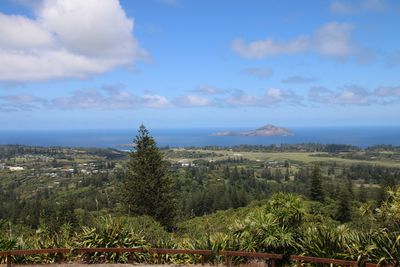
(305, 157)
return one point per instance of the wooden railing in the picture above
(324, 260)
(160, 251)
(266, 256)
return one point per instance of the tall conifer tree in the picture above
(147, 188)
(316, 192)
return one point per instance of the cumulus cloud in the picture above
(340, 7)
(116, 97)
(209, 90)
(109, 98)
(388, 95)
(50, 46)
(192, 101)
(21, 103)
(297, 79)
(18, 32)
(374, 5)
(332, 39)
(154, 101)
(388, 91)
(272, 97)
(351, 7)
(351, 95)
(95, 99)
(355, 95)
(269, 47)
(261, 73)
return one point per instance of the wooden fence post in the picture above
(9, 261)
(227, 260)
(59, 257)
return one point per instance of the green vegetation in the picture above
(319, 200)
(146, 187)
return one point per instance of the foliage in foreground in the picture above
(286, 223)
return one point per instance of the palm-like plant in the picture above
(288, 209)
(386, 247)
(6, 244)
(44, 238)
(389, 212)
(262, 232)
(324, 242)
(360, 246)
(111, 232)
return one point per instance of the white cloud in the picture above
(154, 101)
(21, 102)
(261, 73)
(94, 99)
(115, 97)
(332, 39)
(387, 91)
(340, 7)
(355, 95)
(298, 79)
(18, 32)
(350, 95)
(111, 97)
(271, 98)
(269, 47)
(67, 39)
(352, 7)
(192, 101)
(209, 90)
(374, 5)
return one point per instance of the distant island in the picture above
(267, 130)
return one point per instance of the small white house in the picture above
(11, 168)
(184, 162)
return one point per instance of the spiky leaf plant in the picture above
(111, 232)
(387, 248)
(6, 244)
(44, 238)
(288, 209)
(324, 242)
(262, 232)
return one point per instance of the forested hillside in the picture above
(283, 199)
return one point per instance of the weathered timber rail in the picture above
(266, 256)
(324, 260)
(160, 251)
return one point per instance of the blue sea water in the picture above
(358, 136)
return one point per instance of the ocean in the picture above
(358, 136)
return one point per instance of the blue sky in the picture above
(108, 64)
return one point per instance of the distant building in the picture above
(184, 162)
(84, 171)
(11, 168)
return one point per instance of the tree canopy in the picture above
(147, 188)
